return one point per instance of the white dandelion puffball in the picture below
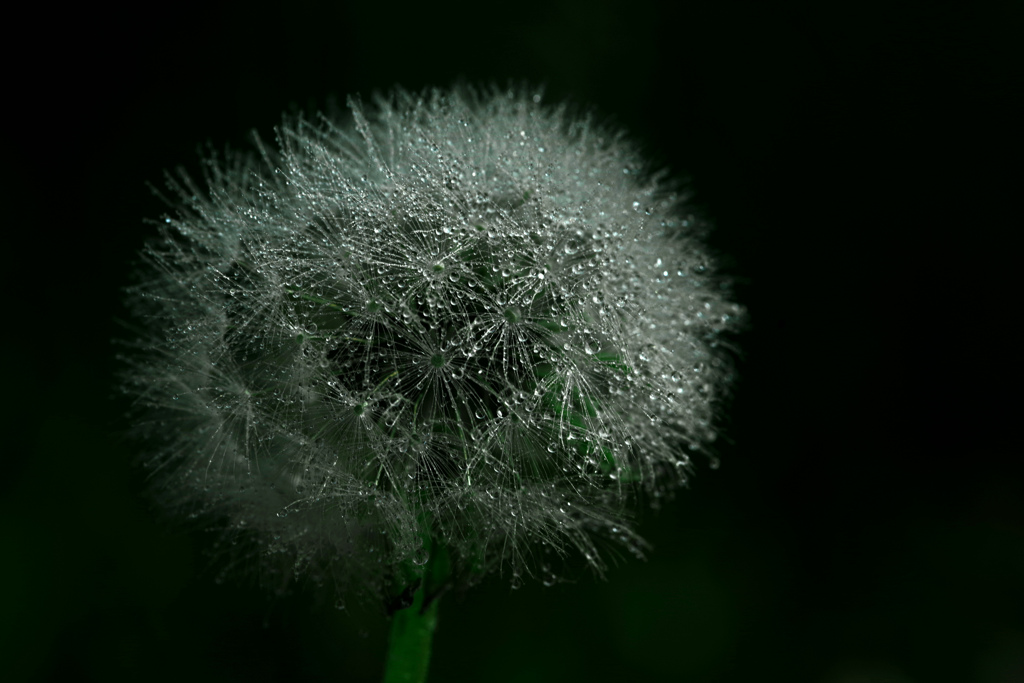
(466, 318)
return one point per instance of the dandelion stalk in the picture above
(466, 332)
(412, 627)
(409, 645)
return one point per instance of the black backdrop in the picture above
(867, 521)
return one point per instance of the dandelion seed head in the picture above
(464, 314)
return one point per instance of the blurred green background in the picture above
(867, 522)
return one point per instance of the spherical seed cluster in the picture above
(466, 317)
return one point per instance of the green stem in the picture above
(412, 633)
(412, 628)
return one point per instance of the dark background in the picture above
(867, 522)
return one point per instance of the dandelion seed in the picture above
(449, 321)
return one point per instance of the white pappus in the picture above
(466, 316)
